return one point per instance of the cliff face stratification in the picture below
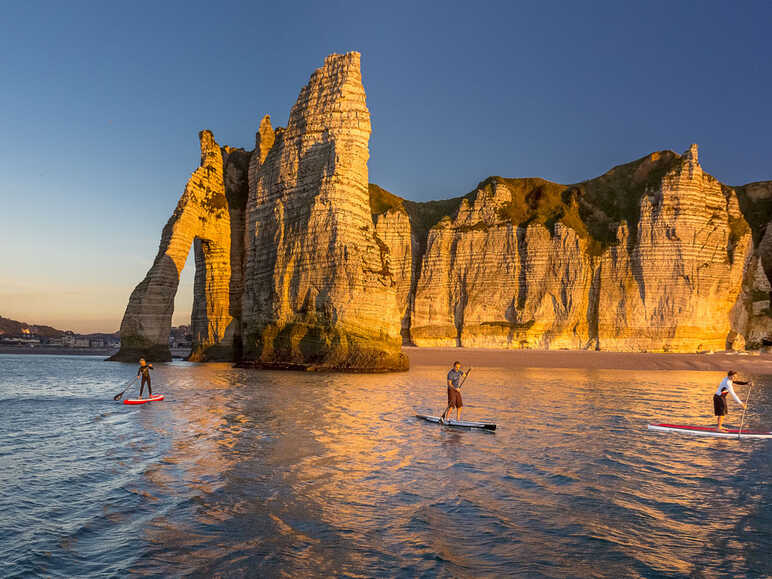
(301, 264)
(289, 269)
(319, 289)
(208, 216)
(652, 256)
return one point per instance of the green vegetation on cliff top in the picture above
(593, 208)
(755, 200)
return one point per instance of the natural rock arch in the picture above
(210, 218)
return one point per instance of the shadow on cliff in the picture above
(281, 241)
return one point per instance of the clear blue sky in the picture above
(101, 103)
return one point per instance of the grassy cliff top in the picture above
(593, 208)
(755, 200)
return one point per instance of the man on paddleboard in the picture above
(454, 391)
(719, 398)
(144, 371)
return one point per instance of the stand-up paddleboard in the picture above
(708, 431)
(460, 423)
(154, 398)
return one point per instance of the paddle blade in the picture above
(118, 396)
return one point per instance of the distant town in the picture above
(22, 337)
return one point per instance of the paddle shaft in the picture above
(118, 396)
(742, 421)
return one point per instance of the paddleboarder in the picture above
(454, 391)
(719, 398)
(144, 371)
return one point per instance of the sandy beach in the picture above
(752, 363)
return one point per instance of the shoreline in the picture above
(56, 351)
(177, 353)
(754, 363)
(751, 362)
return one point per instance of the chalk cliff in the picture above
(203, 218)
(300, 263)
(319, 289)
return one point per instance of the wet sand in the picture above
(752, 362)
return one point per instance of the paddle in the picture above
(747, 397)
(118, 396)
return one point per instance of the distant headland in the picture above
(302, 263)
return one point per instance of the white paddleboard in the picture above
(708, 431)
(459, 423)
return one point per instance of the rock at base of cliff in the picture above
(320, 347)
(214, 353)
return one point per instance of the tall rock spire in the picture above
(319, 291)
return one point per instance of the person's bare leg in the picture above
(458, 412)
(720, 423)
(444, 414)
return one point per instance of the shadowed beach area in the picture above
(756, 363)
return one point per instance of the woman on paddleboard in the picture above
(144, 371)
(719, 398)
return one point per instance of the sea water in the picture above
(250, 473)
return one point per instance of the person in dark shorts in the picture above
(144, 371)
(454, 392)
(719, 398)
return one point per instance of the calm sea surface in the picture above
(246, 473)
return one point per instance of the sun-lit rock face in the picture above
(393, 230)
(319, 288)
(526, 263)
(488, 282)
(674, 286)
(203, 218)
(301, 263)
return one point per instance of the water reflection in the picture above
(284, 473)
(269, 474)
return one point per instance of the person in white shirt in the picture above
(719, 398)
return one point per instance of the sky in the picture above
(101, 104)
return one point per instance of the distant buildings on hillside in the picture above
(67, 340)
(179, 337)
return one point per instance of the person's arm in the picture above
(139, 371)
(736, 399)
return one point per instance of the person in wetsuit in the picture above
(144, 371)
(719, 398)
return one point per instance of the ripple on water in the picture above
(266, 473)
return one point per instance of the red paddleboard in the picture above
(154, 398)
(710, 431)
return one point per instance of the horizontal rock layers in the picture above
(289, 269)
(655, 255)
(319, 289)
(209, 216)
(300, 263)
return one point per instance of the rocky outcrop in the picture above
(673, 287)
(300, 263)
(203, 216)
(652, 256)
(319, 290)
(489, 281)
